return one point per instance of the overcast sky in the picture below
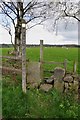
(34, 35)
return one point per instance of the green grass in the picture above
(50, 54)
(56, 54)
(36, 103)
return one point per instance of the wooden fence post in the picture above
(74, 67)
(24, 56)
(41, 59)
(79, 89)
(1, 85)
(65, 65)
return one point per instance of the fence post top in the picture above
(41, 40)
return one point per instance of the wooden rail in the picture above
(52, 62)
(10, 69)
(11, 57)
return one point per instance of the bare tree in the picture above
(14, 12)
(71, 9)
(38, 11)
(63, 10)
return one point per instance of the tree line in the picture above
(35, 45)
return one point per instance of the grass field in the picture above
(56, 54)
(36, 103)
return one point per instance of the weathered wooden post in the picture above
(74, 67)
(1, 85)
(65, 65)
(79, 89)
(24, 56)
(79, 60)
(41, 60)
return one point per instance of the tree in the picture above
(70, 9)
(14, 12)
(38, 11)
(64, 9)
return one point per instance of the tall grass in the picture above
(36, 103)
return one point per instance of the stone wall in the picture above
(59, 80)
(63, 81)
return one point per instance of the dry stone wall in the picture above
(63, 81)
(59, 80)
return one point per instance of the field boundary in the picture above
(39, 71)
(42, 62)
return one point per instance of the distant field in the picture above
(51, 54)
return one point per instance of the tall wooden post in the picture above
(79, 60)
(41, 59)
(1, 85)
(74, 67)
(24, 56)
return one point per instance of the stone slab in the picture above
(59, 73)
(33, 69)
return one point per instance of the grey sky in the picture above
(64, 36)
